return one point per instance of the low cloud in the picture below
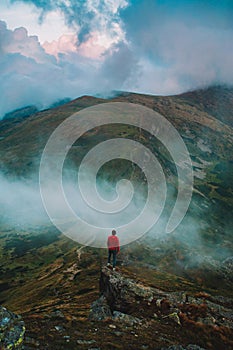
(22, 210)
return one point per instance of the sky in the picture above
(53, 49)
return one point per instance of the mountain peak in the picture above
(215, 100)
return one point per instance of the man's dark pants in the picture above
(112, 253)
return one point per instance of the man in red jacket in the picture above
(113, 248)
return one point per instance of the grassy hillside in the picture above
(50, 279)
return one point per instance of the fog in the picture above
(22, 206)
(22, 209)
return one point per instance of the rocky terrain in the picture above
(85, 308)
(170, 292)
(128, 301)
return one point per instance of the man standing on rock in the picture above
(113, 248)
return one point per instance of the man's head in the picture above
(113, 232)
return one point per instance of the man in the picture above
(113, 248)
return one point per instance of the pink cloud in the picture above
(65, 44)
(93, 48)
(18, 41)
(31, 74)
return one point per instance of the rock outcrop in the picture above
(128, 301)
(125, 295)
(12, 330)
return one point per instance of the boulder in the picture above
(100, 310)
(12, 330)
(122, 293)
(121, 317)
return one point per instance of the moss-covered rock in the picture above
(12, 330)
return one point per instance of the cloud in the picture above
(119, 68)
(181, 48)
(28, 15)
(30, 76)
(18, 41)
(66, 43)
(142, 46)
(85, 16)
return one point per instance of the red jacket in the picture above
(113, 243)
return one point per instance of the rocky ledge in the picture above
(125, 300)
(12, 330)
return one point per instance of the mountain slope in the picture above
(208, 140)
(217, 101)
(50, 279)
